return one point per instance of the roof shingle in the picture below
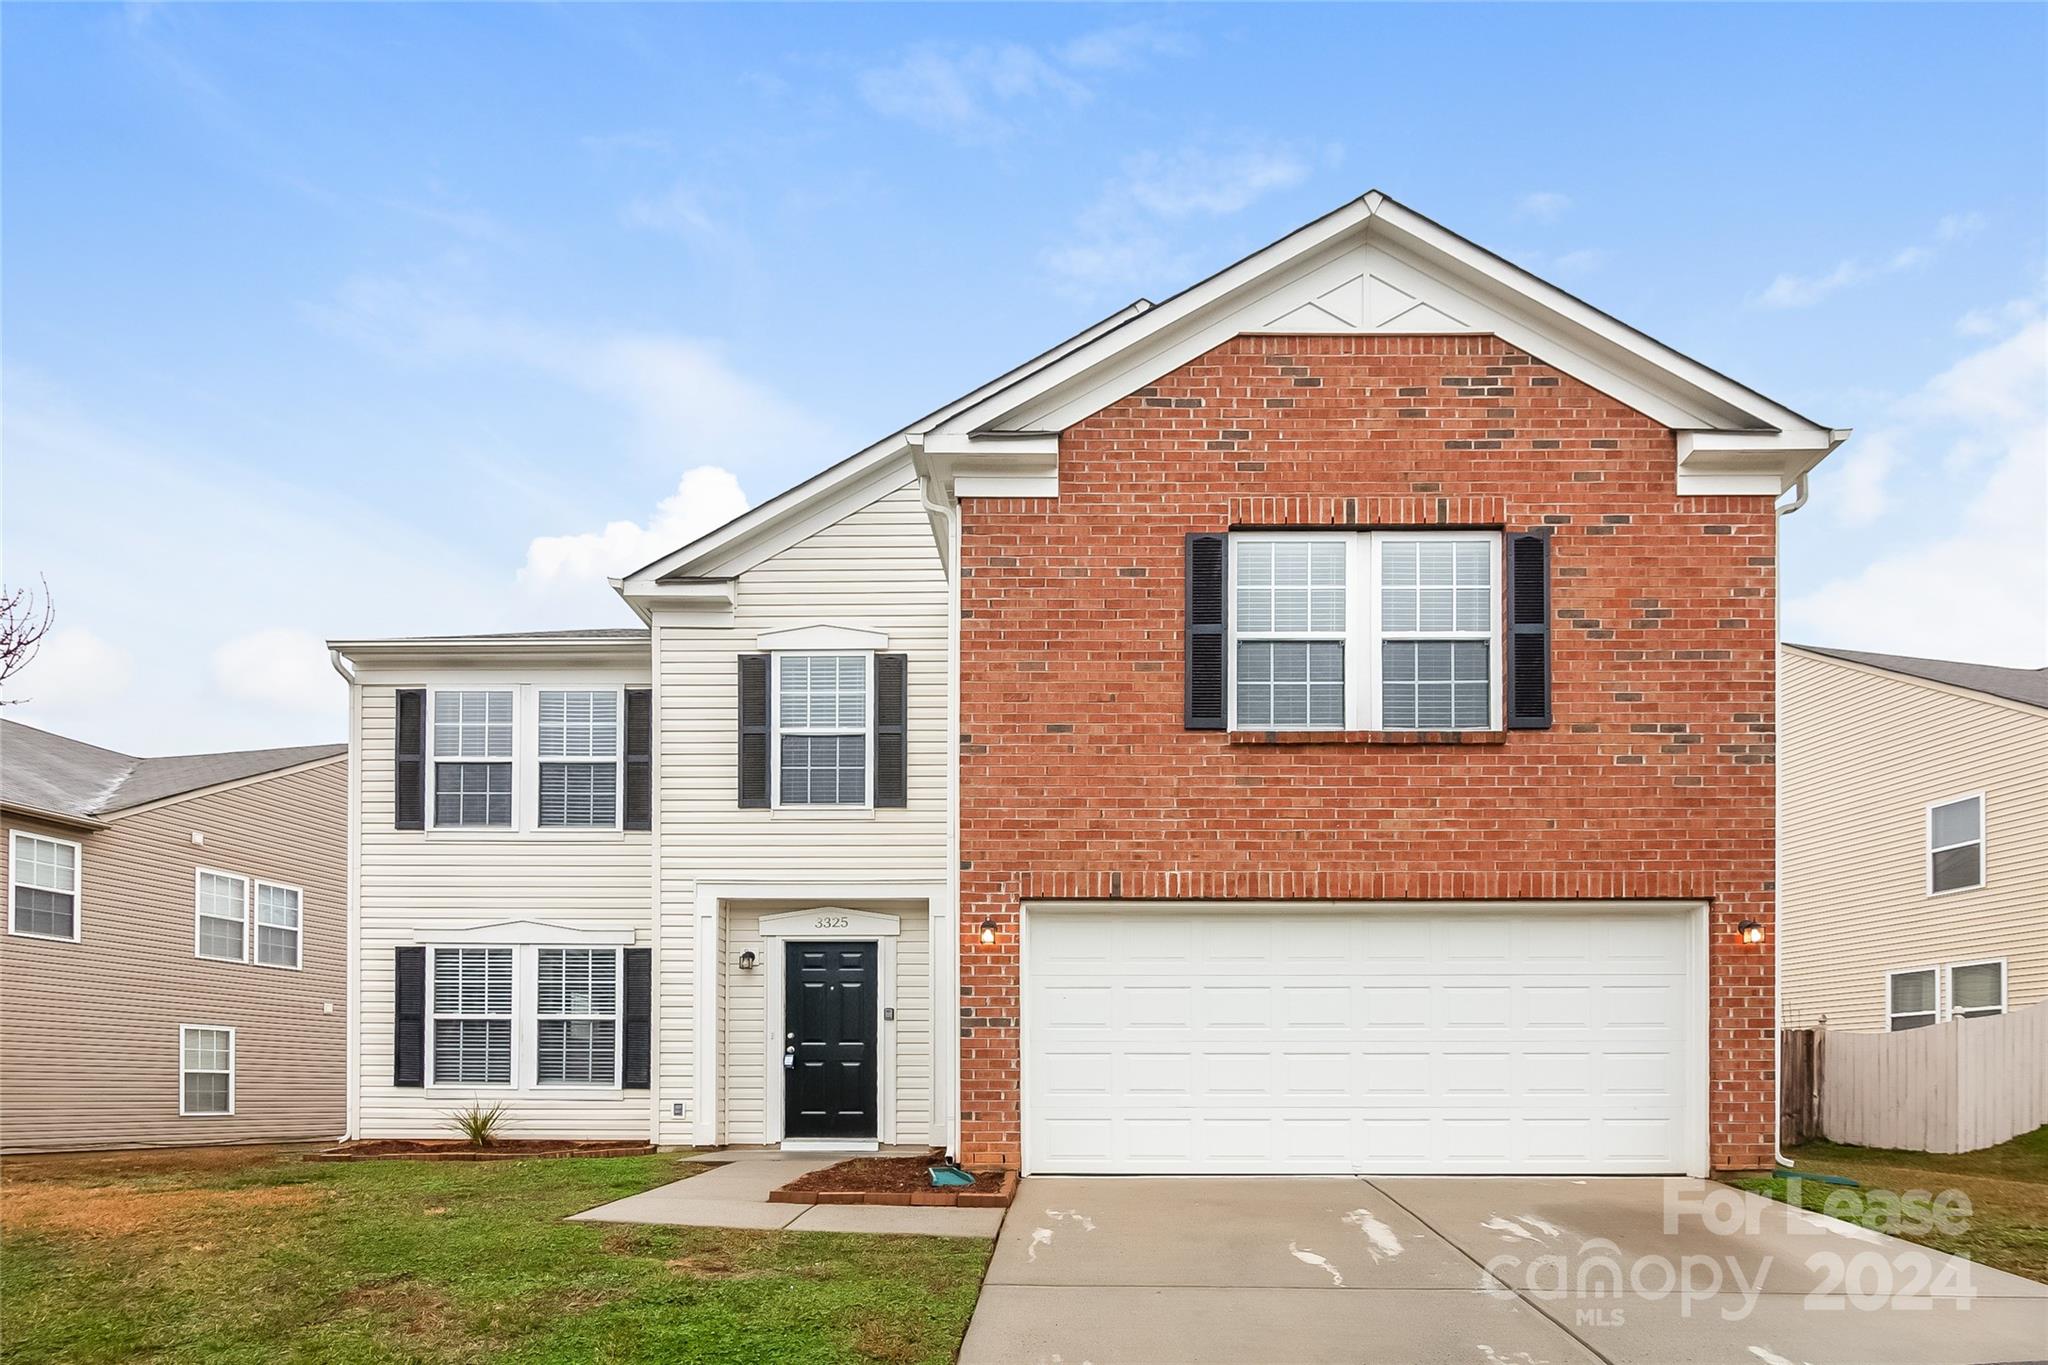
(48, 772)
(2029, 685)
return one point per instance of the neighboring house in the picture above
(175, 966)
(1322, 722)
(1914, 829)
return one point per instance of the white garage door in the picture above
(1286, 1041)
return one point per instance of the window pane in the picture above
(278, 905)
(1959, 822)
(1436, 585)
(1290, 684)
(45, 864)
(206, 1049)
(577, 1051)
(472, 1051)
(44, 912)
(220, 938)
(472, 981)
(579, 724)
(206, 1092)
(1435, 685)
(1980, 986)
(277, 947)
(1958, 868)
(1902, 1022)
(579, 794)
(578, 981)
(1290, 587)
(472, 793)
(1913, 992)
(473, 725)
(824, 770)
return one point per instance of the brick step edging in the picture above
(967, 1197)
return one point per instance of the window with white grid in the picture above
(821, 723)
(43, 887)
(1291, 612)
(577, 1017)
(206, 1071)
(472, 1006)
(579, 759)
(1437, 619)
(277, 924)
(223, 913)
(1955, 845)
(472, 750)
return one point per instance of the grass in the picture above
(2007, 1186)
(248, 1254)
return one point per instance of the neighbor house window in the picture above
(223, 914)
(277, 924)
(206, 1079)
(43, 890)
(1976, 989)
(472, 758)
(821, 725)
(472, 1004)
(579, 759)
(577, 1030)
(1373, 630)
(1955, 845)
(1911, 1000)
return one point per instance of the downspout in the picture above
(352, 1108)
(1799, 495)
(947, 1033)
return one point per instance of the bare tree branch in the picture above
(23, 624)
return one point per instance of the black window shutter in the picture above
(639, 1018)
(892, 739)
(1528, 670)
(753, 731)
(1207, 669)
(639, 758)
(409, 1019)
(409, 772)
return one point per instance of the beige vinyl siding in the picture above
(1863, 753)
(414, 885)
(876, 568)
(89, 1046)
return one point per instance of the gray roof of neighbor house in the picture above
(67, 777)
(2029, 685)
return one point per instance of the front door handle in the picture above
(789, 1059)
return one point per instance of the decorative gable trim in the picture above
(823, 638)
(830, 922)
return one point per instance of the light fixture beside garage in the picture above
(747, 961)
(988, 932)
(1749, 931)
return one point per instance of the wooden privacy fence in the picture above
(1798, 1085)
(1952, 1087)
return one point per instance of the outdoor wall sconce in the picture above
(988, 932)
(747, 960)
(1749, 931)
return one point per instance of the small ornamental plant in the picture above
(480, 1123)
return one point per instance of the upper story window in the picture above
(472, 752)
(277, 925)
(1377, 630)
(822, 729)
(579, 759)
(1955, 845)
(221, 916)
(43, 887)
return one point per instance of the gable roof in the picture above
(71, 780)
(2029, 685)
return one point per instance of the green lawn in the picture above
(240, 1254)
(2007, 1187)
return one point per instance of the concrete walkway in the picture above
(1475, 1271)
(736, 1196)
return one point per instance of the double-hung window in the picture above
(1955, 845)
(579, 759)
(221, 917)
(1911, 999)
(277, 925)
(822, 729)
(1976, 989)
(472, 1003)
(472, 749)
(1370, 630)
(43, 891)
(577, 1017)
(206, 1071)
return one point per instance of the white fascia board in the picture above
(1750, 462)
(383, 656)
(990, 464)
(695, 602)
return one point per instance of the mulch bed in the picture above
(896, 1180)
(457, 1149)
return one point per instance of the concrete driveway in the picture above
(1475, 1271)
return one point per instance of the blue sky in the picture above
(366, 320)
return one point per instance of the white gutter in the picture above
(947, 1031)
(1799, 496)
(355, 946)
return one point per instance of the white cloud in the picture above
(1790, 290)
(1542, 206)
(1198, 180)
(280, 667)
(706, 498)
(1127, 45)
(956, 89)
(1984, 322)
(1862, 486)
(1970, 585)
(74, 668)
(678, 209)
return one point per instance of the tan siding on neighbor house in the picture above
(875, 568)
(414, 886)
(1863, 752)
(89, 1045)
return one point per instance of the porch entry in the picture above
(831, 1009)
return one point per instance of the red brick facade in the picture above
(1077, 778)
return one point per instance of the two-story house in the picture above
(1321, 722)
(175, 966)
(1914, 822)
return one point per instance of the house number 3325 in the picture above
(830, 922)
